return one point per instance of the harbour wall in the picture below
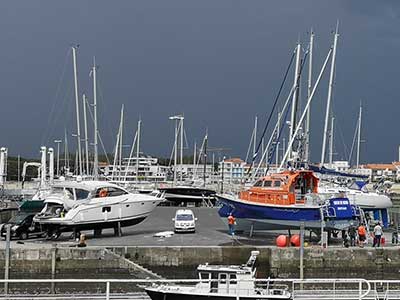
(181, 262)
(67, 263)
(335, 262)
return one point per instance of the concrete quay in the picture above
(178, 256)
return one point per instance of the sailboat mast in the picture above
(134, 144)
(295, 95)
(263, 149)
(118, 144)
(175, 150)
(359, 137)
(66, 152)
(76, 163)
(86, 135)
(78, 134)
(328, 104)
(309, 87)
(255, 138)
(138, 149)
(121, 138)
(181, 164)
(96, 153)
(194, 154)
(331, 142)
(205, 160)
(277, 140)
(290, 142)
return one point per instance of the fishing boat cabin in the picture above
(285, 188)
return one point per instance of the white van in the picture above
(184, 221)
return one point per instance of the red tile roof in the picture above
(234, 160)
(379, 167)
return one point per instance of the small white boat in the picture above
(222, 282)
(86, 205)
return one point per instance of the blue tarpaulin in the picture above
(327, 171)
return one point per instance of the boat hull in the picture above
(100, 215)
(171, 295)
(52, 227)
(250, 216)
(188, 194)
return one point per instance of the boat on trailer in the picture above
(93, 205)
(220, 282)
(286, 200)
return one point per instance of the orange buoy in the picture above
(281, 241)
(295, 240)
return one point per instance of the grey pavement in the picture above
(210, 231)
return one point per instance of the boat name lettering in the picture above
(341, 202)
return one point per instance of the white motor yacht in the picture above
(222, 282)
(93, 205)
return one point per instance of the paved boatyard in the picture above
(210, 231)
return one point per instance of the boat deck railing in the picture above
(111, 288)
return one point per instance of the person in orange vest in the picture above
(231, 224)
(362, 235)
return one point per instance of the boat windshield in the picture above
(81, 194)
(17, 219)
(359, 186)
(63, 192)
(184, 217)
(259, 183)
(204, 275)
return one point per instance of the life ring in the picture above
(103, 193)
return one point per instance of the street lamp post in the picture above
(58, 156)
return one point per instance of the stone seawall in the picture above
(181, 262)
(68, 263)
(369, 263)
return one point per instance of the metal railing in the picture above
(300, 289)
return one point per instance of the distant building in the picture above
(145, 168)
(375, 172)
(233, 169)
(396, 164)
(191, 170)
(339, 165)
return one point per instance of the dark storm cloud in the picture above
(218, 62)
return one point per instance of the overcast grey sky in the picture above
(219, 62)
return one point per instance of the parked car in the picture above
(22, 226)
(184, 221)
